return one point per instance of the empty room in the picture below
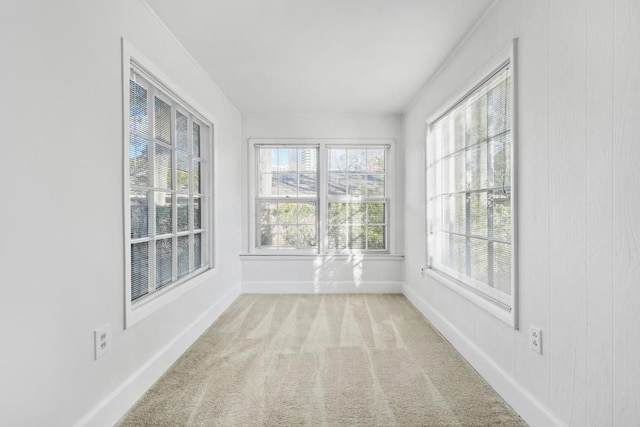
(320, 212)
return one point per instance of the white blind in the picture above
(470, 193)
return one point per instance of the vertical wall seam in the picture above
(613, 218)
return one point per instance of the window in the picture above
(167, 188)
(319, 197)
(470, 192)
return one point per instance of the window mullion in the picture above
(322, 195)
(152, 183)
(173, 192)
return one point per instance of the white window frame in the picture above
(502, 306)
(323, 197)
(167, 90)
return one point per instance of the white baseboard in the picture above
(326, 287)
(523, 402)
(116, 404)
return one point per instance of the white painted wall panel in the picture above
(626, 213)
(567, 199)
(579, 260)
(62, 250)
(600, 206)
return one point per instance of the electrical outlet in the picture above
(535, 339)
(102, 340)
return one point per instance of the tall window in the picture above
(168, 193)
(321, 198)
(287, 199)
(357, 198)
(470, 191)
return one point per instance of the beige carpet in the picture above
(333, 360)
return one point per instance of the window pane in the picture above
(307, 213)
(375, 237)
(356, 184)
(268, 213)
(182, 132)
(500, 162)
(479, 260)
(196, 177)
(502, 216)
(454, 173)
(197, 213)
(183, 171)
(337, 160)
(357, 213)
(307, 159)
(288, 236)
(502, 267)
(268, 235)
(139, 270)
(357, 237)
(337, 237)
(139, 202)
(477, 167)
(498, 109)
(375, 185)
(183, 212)
(268, 160)
(337, 183)
(356, 159)
(375, 160)
(478, 212)
(375, 213)
(138, 161)
(308, 185)
(457, 212)
(307, 236)
(268, 185)
(287, 213)
(197, 251)
(288, 159)
(459, 137)
(138, 115)
(287, 184)
(164, 213)
(162, 116)
(196, 139)
(183, 256)
(477, 120)
(164, 262)
(163, 166)
(337, 213)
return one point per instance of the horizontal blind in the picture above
(470, 166)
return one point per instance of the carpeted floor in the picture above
(333, 360)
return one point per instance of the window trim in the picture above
(134, 311)
(506, 312)
(323, 199)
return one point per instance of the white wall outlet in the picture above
(102, 340)
(535, 339)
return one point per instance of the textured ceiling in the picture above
(320, 56)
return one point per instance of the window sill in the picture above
(505, 315)
(135, 312)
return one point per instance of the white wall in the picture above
(579, 81)
(324, 274)
(61, 250)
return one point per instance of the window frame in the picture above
(163, 88)
(322, 197)
(504, 308)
